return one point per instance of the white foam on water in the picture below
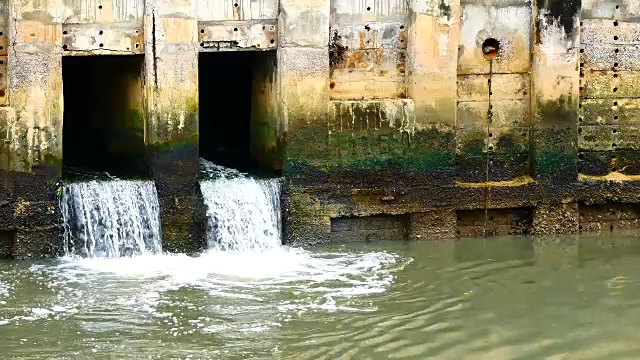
(111, 218)
(4, 289)
(247, 274)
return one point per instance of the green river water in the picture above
(482, 298)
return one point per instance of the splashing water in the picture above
(243, 213)
(111, 219)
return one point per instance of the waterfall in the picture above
(110, 219)
(243, 213)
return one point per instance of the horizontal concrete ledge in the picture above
(251, 35)
(103, 39)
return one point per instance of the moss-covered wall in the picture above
(542, 121)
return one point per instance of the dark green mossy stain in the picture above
(161, 134)
(555, 163)
(603, 162)
(426, 151)
(554, 140)
(265, 143)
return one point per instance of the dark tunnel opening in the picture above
(238, 111)
(104, 121)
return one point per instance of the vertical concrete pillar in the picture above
(432, 65)
(555, 107)
(555, 98)
(303, 64)
(32, 131)
(433, 50)
(171, 53)
(35, 81)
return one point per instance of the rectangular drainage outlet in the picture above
(516, 221)
(369, 228)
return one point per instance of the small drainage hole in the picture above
(490, 48)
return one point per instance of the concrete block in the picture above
(431, 73)
(353, 12)
(236, 10)
(432, 225)
(370, 35)
(609, 111)
(368, 74)
(36, 96)
(369, 228)
(304, 23)
(622, 10)
(610, 84)
(500, 126)
(304, 83)
(238, 35)
(105, 39)
(608, 137)
(509, 25)
(495, 87)
(102, 12)
(556, 218)
(492, 222)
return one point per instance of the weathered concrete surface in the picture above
(393, 117)
(555, 102)
(266, 129)
(171, 47)
(368, 50)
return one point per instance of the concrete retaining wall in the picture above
(435, 118)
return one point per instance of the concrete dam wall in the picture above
(415, 119)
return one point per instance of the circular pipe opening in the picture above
(490, 48)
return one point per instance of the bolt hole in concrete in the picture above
(368, 8)
(237, 125)
(101, 32)
(103, 121)
(100, 7)
(490, 48)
